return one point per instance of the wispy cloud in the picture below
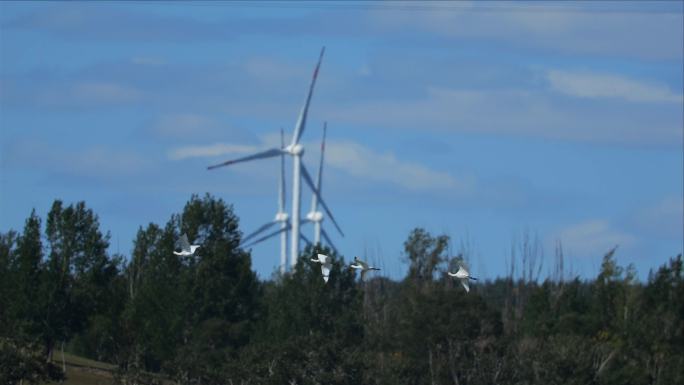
(663, 219)
(102, 92)
(593, 85)
(53, 92)
(577, 29)
(593, 237)
(210, 150)
(93, 162)
(350, 157)
(525, 112)
(184, 125)
(148, 61)
(363, 162)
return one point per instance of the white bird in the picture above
(464, 276)
(324, 260)
(186, 248)
(361, 265)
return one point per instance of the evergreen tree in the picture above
(222, 291)
(77, 274)
(312, 331)
(22, 314)
(8, 253)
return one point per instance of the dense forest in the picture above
(209, 320)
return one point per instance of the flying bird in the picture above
(186, 248)
(464, 276)
(363, 266)
(324, 260)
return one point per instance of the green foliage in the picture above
(21, 360)
(311, 331)
(424, 253)
(7, 278)
(207, 319)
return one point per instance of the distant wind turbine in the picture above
(295, 150)
(280, 217)
(314, 215)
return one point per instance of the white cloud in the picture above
(271, 71)
(593, 85)
(102, 161)
(515, 112)
(87, 94)
(350, 157)
(184, 124)
(663, 219)
(578, 29)
(105, 92)
(211, 150)
(94, 162)
(363, 162)
(593, 238)
(148, 61)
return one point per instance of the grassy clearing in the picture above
(84, 371)
(73, 360)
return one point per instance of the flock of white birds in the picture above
(186, 249)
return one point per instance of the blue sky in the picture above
(480, 121)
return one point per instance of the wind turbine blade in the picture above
(260, 155)
(265, 237)
(319, 179)
(301, 120)
(259, 231)
(327, 239)
(307, 178)
(281, 194)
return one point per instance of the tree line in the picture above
(208, 319)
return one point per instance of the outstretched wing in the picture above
(464, 282)
(183, 243)
(462, 272)
(323, 258)
(325, 269)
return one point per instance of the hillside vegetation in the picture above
(155, 317)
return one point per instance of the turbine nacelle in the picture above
(281, 217)
(315, 216)
(294, 149)
(299, 172)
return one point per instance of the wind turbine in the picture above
(314, 215)
(280, 217)
(295, 150)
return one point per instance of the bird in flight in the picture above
(326, 265)
(464, 276)
(363, 266)
(186, 247)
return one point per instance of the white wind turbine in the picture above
(280, 217)
(296, 150)
(314, 215)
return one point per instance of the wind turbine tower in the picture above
(282, 216)
(295, 150)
